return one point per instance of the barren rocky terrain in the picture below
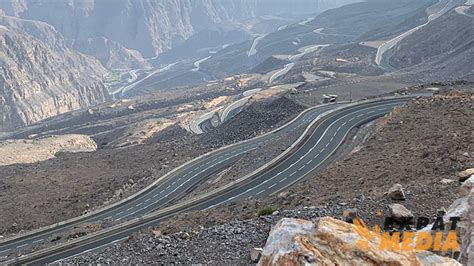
(98, 99)
(423, 146)
(440, 50)
(71, 184)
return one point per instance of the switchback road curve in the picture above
(320, 143)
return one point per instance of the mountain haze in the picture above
(152, 26)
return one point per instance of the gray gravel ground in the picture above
(229, 243)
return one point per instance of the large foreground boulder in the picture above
(333, 242)
(464, 175)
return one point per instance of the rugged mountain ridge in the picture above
(40, 77)
(151, 26)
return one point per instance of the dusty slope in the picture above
(441, 50)
(35, 150)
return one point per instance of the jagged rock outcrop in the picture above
(40, 77)
(333, 242)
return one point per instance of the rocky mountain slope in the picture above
(444, 47)
(40, 77)
(149, 26)
(110, 53)
(350, 23)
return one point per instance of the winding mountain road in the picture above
(253, 49)
(162, 193)
(387, 45)
(317, 145)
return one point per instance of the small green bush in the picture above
(266, 211)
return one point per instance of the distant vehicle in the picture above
(329, 98)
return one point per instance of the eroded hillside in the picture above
(40, 77)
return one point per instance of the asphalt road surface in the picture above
(319, 145)
(171, 189)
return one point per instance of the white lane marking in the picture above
(20, 246)
(5, 250)
(204, 171)
(292, 174)
(118, 213)
(319, 140)
(139, 204)
(37, 241)
(283, 180)
(129, 209)
(272, 185)
(301, 168)
(261, 192)
(156, 195)
(310, 161)
(147, 200)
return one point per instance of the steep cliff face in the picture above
(40, 77)
(152, 26)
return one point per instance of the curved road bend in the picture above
(322, 143)
(318, 147)
(170, 189)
